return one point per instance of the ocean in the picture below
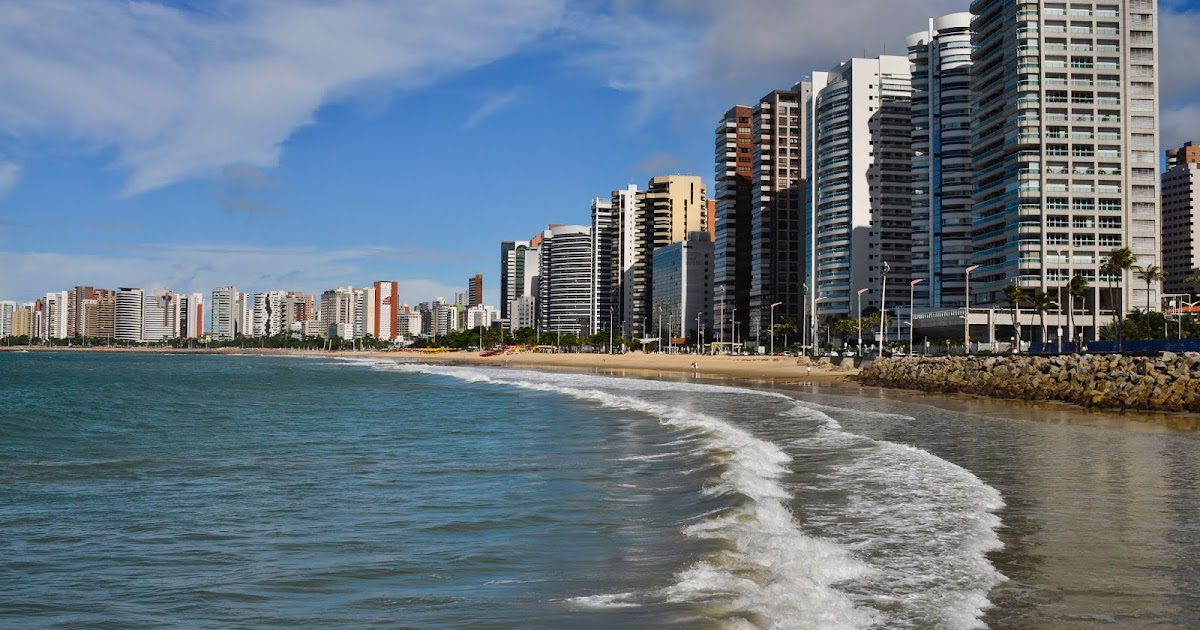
(201, 491)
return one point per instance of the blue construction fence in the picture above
(1110, 347)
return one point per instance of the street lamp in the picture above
(734, 330)
(1062, 252)
(804, 317)
(967, 314)
(816, 331)
(721, 318)
(860, 292)
(773, 327)
(911, 285)
(699, 335)
(610, 330)
(883, 306)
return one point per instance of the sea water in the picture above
(216, 491)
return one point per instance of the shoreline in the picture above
(791, 374)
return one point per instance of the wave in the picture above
(906, 549)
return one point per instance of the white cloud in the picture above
(192, 268)
(491, 105)
(10, 172)
(179, 94)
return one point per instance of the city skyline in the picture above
(110, 176)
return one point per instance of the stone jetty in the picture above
(1169, 382)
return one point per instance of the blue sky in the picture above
(298, 144)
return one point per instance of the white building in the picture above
(481, 316)
(523, 313)
(941, 163)
(860, 182)
(159, 310)
(385, 304)
(269, 314)
(1064, 145)
(189, 321)
(130, 302)
(227, 319)
(606, 265)
(54, 315)
(7, 308)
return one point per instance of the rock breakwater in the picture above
(1170, 382)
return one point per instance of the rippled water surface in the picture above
(208, 491)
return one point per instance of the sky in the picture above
(304, 144)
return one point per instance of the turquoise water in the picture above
(236, 491)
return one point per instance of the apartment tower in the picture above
(566, 279)
(387, 308)
(861, 183)
(734, 207)
(130, 302)
(606, 267)
(475, 290)
(777, 225)
(941, 160)
(671, 207)
(1181, 219)
(1064, 144)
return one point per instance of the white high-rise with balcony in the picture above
(1064, 144)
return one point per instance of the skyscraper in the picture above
(671, 207)
(130, 302)
(941, 160)
(777, 226)
(1064, 143)
(861, 184)
(734, 201)
(1181, 219)
(566, 279)
(606, 265)
(475, 290)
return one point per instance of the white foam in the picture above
(780, 572)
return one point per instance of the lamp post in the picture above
(658, 325)
(911, 286)
(699, 335)
(804, 317)
(860, 292)
(967, 314)
(1062, 252)
(816, 331)
(773, 327)
(734, 329)
(883, 305)
(721, 318)
(610, 330)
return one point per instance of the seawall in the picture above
(1170, 382)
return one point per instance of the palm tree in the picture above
(1015, 297)
(1118, 262)
(1041, 302)
(1151, 274)
(786, 325)
(1078, 287)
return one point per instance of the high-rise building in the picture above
(669, 209)
(1181, 219)
(941, 160)
(75, 305)
(100, 315)
(298, 307)
(129, 305)
(268, 314)
(24, 320)
(475, 290)
(606, 265)
(566, 279)
(861, 186)
(7, 308)
(777, 219)
(348, 312)
(54, 315)
(386, 304)
(159, 310)
(683, 286)
(226, 314)
(625, 212)
(1064, 144)
(189, 322)
(734, 209)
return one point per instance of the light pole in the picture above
(911, 286)
(1062, 252)
(658, 346)
(734, 330)
(860, 292)
(773, 327)
(610, 329)
(804, 320)
(967, 314)
(699, 335)
(816, 331)
(883, 306)
(721, 318)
